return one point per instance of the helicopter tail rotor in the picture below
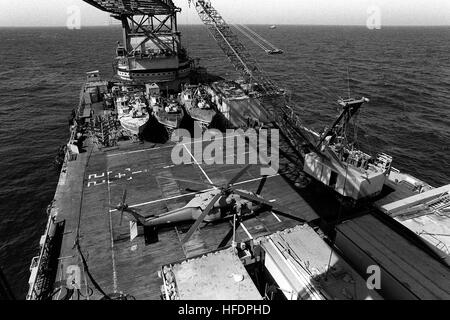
(123, 208)
(122, 205)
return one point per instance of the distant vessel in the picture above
(273, 27)
(275, 51)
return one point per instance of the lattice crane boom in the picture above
(275, 103)
(230, 44)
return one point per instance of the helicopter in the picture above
(220, 203)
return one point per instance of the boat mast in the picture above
(349, 108)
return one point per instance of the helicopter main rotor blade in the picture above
(189, 181)
(261, 185)
(124, 196)
(283, 211)
(121, 216)
(122, 205)
(133, 212)
(201, 218)
(238, 175)
(226, 239)
(121, 208)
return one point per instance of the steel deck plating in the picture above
(119, 265)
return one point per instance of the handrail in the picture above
(32, 293)
(32, 289)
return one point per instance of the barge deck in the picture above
(93, 247)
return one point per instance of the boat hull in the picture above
(134, 127)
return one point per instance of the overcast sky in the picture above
(326, 12)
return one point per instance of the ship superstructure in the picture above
(151, 50)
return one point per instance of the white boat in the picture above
(132, 113)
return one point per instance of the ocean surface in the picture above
(405, 72)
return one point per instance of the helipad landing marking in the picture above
(128, 175)
(95, 176)
(196, 162)
(276, 217)
(171, 146)
(96, 183)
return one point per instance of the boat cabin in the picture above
(152, 90)
(93, 76)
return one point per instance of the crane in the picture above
(236, 52)
(273, 99)
(156, 22)
(328, 152)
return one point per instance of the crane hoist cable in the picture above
(253, 39)
(233, 48)
(260, 38)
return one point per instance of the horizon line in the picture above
(253, 24)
